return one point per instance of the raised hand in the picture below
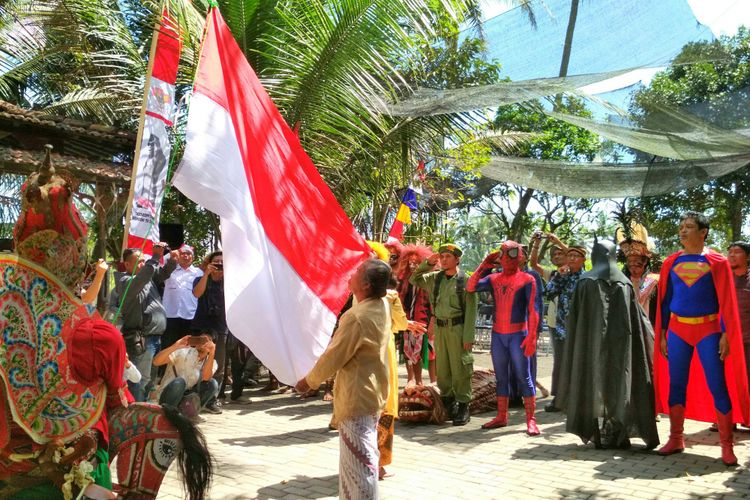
(433, 259)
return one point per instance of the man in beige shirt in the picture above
(357, 355)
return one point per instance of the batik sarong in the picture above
(358, 458)
(386, 428)
(413, 348)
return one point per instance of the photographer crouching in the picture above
(190, 368)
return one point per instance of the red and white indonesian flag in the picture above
(154, 149)
(289, 248)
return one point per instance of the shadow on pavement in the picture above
(302, 408)
(302, 487)
(618, 464)
(437, 435)
(287, 404)
(657, 467)
(300, 437)
(739, 482)
(582, 492)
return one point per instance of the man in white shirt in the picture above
(190, 366)
(179, 301)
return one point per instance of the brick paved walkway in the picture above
(280, 447)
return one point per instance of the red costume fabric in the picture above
(416, 302)
(700, 404)
(510, 315)
(97, 352)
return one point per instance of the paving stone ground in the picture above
(280, 447)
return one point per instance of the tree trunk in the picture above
(521, 213)
(735, 215)
(569, 38)
(516, 228)
(379, 216)
(102, 204)
(103, 199)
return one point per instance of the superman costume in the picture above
(696, 305)
(513, 331)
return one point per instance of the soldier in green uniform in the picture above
(455, 312)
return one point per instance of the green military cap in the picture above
(450, 247)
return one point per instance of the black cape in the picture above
(608, 365)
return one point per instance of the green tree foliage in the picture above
(373, 192)
(717, 90)
(324, 62)
(549, 138)
(553, 139)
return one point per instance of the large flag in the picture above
(289, 248)
(152, 163)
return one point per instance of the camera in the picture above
(538, 234)
(219, 267)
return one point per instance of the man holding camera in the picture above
(142, 314)
(211, 319)
(179, 301)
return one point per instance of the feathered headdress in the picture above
(631, 235)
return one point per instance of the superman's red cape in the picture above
(699, 403)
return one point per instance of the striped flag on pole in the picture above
(152, 161)
(288, 246)
(403, 216)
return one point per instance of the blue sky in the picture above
(610, 34)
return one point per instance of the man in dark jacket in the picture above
(142, 314)
(211, 319)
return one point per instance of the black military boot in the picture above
(450, 406)
(462, 414)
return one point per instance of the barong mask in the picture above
(50, 231)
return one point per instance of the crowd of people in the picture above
(66, 410)
(171, 314)
(623, 339)
(628, 343)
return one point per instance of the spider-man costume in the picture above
(696, 306)
(514, 328)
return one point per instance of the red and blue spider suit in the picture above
(697, 304)
(514, 329)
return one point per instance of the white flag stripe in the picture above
(267, 303)
(160, 100)
(151, 179)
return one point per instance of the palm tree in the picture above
(324, 62)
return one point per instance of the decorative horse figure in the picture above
(62, 395)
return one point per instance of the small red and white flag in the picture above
(154, 149)
(288, 246)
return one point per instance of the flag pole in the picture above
(141, 123)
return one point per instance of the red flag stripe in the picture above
(168, 48)
(297, 210)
